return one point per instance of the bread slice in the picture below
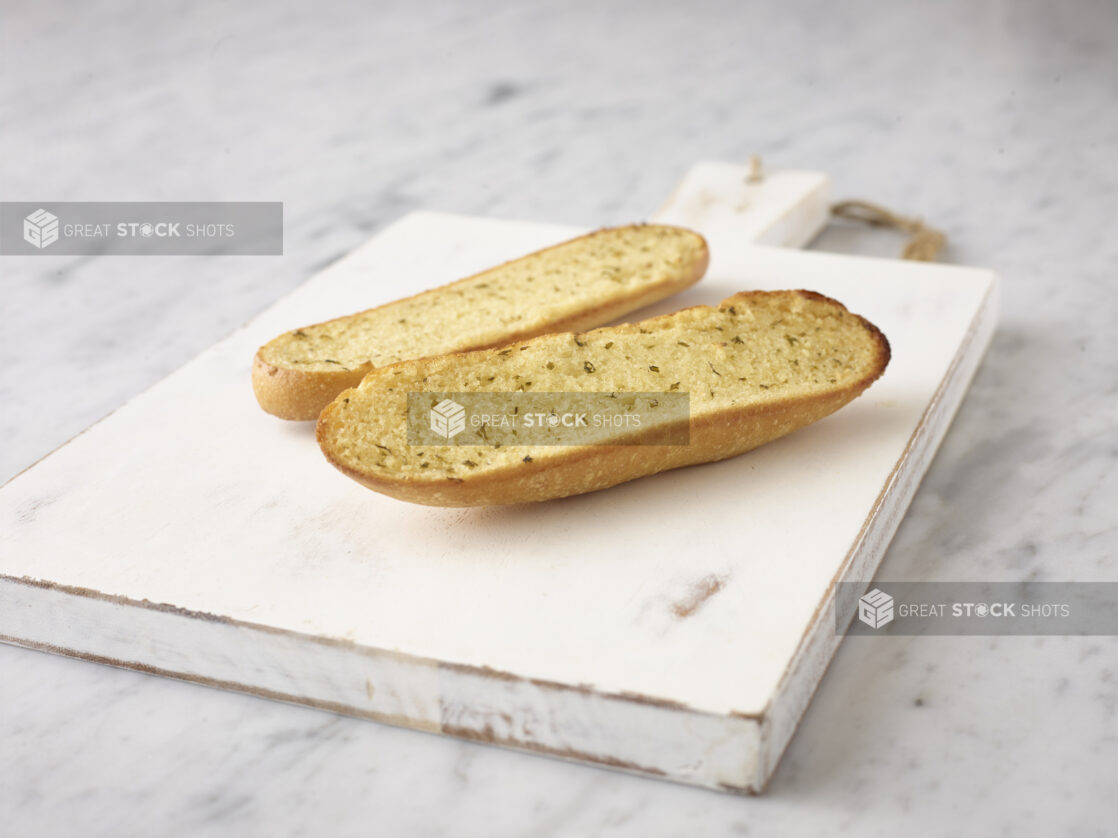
(578, 284)
(758, 366)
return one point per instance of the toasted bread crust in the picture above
(296, 394)
(289, 392)
(579, 469)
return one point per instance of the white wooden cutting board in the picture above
(675, 626)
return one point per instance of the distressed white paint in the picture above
(785, 208)
(554, 626)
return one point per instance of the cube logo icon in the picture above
(40, 228)
(448, 419)
(875, 609)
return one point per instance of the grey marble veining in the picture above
(993, 120)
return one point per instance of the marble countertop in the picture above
(994, 120)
